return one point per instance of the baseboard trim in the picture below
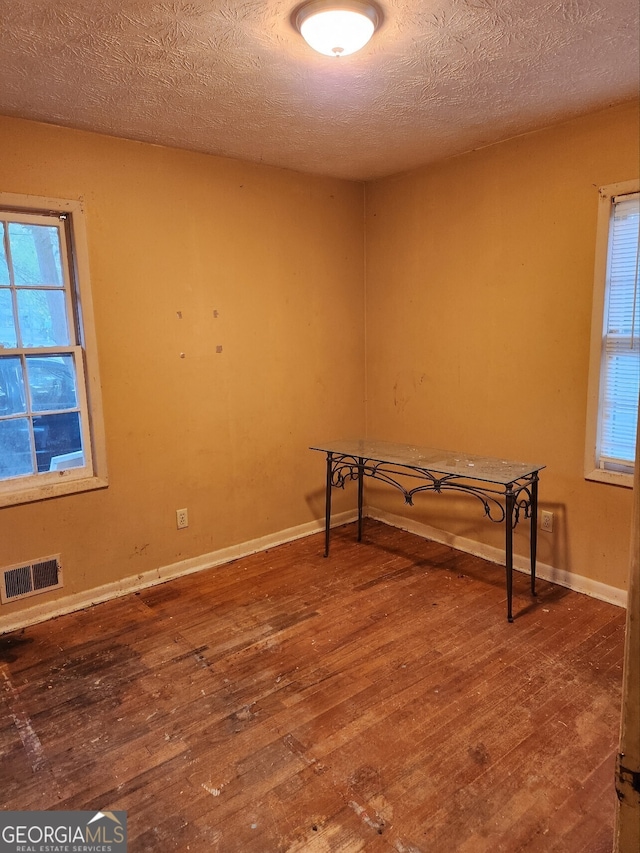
(577, 583)
(116, 589)
(82, 600)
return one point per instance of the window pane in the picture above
(56, 436)
(43, 350)
(623, 268)
(7, 325)
(13, 400)
(621, 385)
(621, 357)
(42, 318)
(52, 382)
(35, 254)
(15, 458)
(4, 268)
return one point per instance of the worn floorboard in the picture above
(375, 701)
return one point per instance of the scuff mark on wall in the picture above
(405, 388)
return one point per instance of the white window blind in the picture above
(620, 376)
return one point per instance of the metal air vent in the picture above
(25, 579)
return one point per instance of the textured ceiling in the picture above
(232, 77)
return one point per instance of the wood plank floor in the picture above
(377, 700)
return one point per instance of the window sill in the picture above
(52, 490)
(613, 478)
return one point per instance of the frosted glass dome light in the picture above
(334, 28)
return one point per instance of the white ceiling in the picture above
(232, 77)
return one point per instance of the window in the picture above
(614, 376)
(51, 437)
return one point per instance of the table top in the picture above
(458, 464)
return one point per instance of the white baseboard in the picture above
(578, 583)
(82, 600)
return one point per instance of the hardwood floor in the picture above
(374, 701)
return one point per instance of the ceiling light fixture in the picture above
(336, 28)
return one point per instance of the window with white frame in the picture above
(614, 377)
(50, 415)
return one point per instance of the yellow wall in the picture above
(478, 308)
(279, 256)
(479, 286)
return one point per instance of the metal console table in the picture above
(506, 489)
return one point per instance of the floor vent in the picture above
(23, 580)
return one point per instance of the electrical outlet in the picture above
(182, 518)
(546, 521)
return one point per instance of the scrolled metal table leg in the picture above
(327, 514)
(360, 495)
(508, 520)
(533, 533)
